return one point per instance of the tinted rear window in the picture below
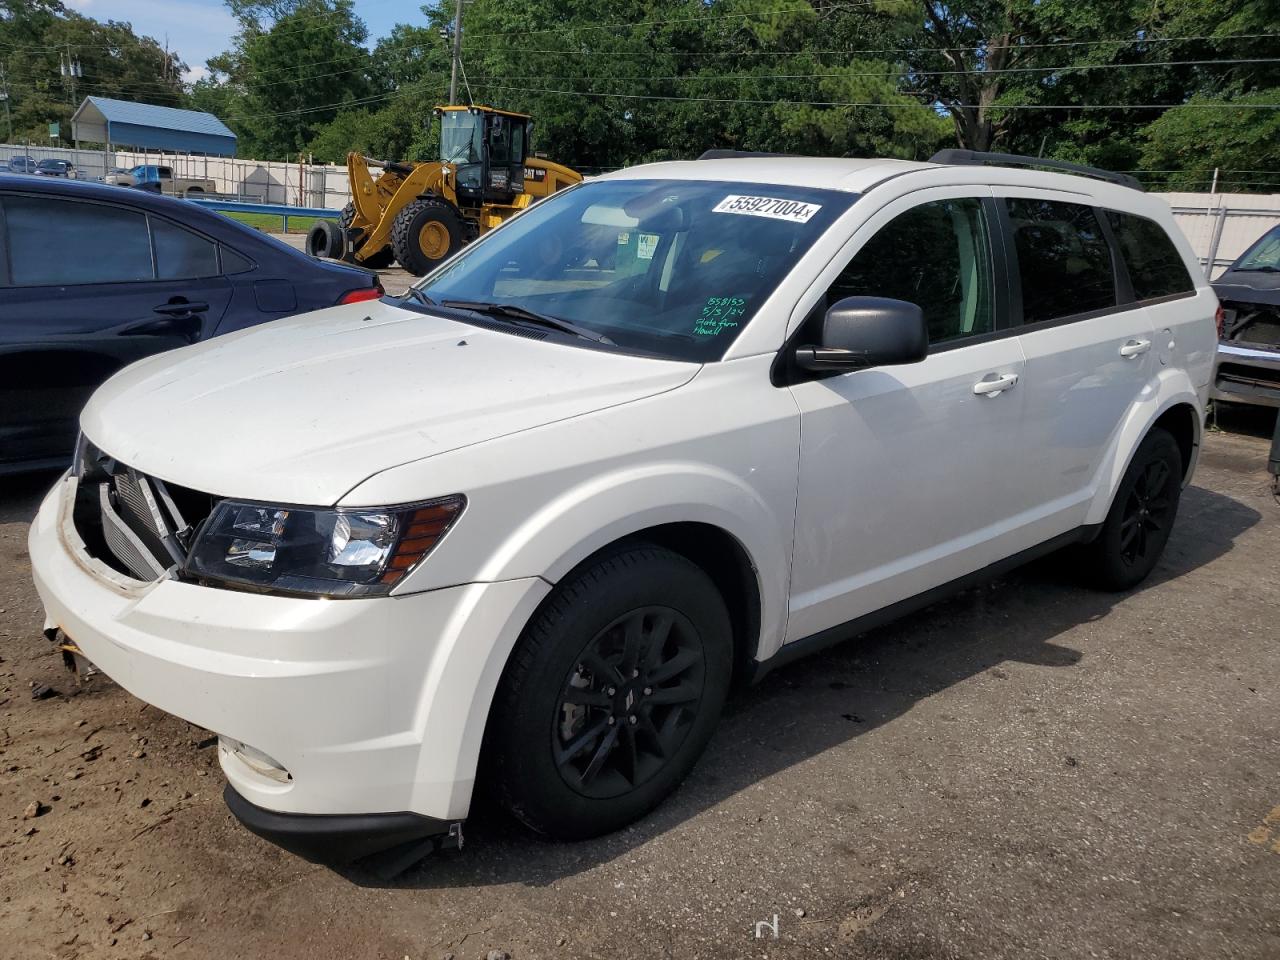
(1064, 261)
(1155, 267)
(57, 242)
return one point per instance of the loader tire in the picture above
(378, 261)
(426, 233)
(326, 239)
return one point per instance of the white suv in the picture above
(661, 432)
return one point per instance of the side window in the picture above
(937, 256)
(66, 242)
(233, 262)
(181, 254)
(1064, 261)
(1155, 267)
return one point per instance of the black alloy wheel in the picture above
(629, 702)
(1147, 512)
(611, 693)
(1137, 526)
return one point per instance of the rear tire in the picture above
(326, 239)
(611, 694)
(1141, 517)
(425, 233)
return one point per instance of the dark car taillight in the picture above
(364, 293)
(1220, 318)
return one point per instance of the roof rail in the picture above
(737, 154)
(979, 158)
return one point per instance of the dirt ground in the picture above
(1030, 770)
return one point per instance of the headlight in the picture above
(343, 552)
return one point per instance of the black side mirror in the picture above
(860, 332)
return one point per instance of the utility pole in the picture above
(70, 73)
(457, 52)
(4, 96)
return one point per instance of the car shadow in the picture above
(20, 494)
(801, 710)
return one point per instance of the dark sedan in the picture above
(56, 168)
(93, 278)
(22, 165)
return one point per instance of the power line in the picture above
(166, 87)
(904, 49)
(704, 18)
(894, 73)
(893, 106)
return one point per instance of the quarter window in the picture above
(1064, 261)
(62, 242)
(1155, 266)
(937, 256)
(181, 254)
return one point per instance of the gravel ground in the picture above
(1028, 770)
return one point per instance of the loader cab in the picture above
(488, 148)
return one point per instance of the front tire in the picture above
(425, 233)
(1141, 517)
(611, 694)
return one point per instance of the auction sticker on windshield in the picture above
(774, 208)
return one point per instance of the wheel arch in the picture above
(714, 548)
(726, 561)
(1172, 403)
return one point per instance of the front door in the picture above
(906, 472)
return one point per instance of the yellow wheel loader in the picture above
(420, 213)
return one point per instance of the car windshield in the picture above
(1264, 255)
(52, 165)
(673, 268)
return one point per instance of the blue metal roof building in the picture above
(122, 123)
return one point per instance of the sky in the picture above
(198, 29)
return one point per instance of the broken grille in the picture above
(138, 525)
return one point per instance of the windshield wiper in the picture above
(514, 312)
(416, 294)
(1263, 268)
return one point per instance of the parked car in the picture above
(1248, 369)
(530, 522)
(22, 165)
(56, 168)
(96, 278)
(160, 179)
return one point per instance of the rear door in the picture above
(89, 288)
(1088, 346)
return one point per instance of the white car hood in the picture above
(302, 410)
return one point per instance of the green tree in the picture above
(36, 36)
(286, 80)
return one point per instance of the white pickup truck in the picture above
(150, 176)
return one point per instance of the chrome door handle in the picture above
(1135, 348)
(994, 384)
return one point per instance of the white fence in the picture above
(296, 184)
(1219, 225)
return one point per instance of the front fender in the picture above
(1169, 388)
(611, 506)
